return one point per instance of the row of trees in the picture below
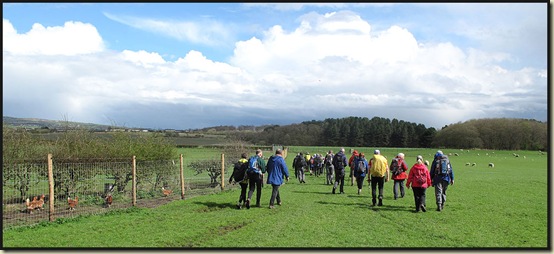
(497, 133)
(350, 131)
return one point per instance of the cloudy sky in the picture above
(195, 65)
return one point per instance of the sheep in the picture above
(467, 164)
(456, 154)
(474, 164)
(491, 165)
(427, 163)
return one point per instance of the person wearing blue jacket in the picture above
(441, 178)
(360, 173)
(276, 171)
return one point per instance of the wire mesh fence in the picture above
(45, 190)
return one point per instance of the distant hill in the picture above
(35, 123)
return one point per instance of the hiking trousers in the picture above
(329, 172)
(419, 197)
(255, 181)
(398, 184)
(377, 182)
(275, 195)
(243, 188)
(301, 175)
(339, 180)
(440, 192)
(360, 182)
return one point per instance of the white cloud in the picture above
(331, 65)
(206, 31)
(73, 38)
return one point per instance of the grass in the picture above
(501, 207)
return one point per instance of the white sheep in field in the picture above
(491, 165)
(474, 164)
(467, 164)
(426, 163)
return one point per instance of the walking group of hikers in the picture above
(377, 169)
(250, 172)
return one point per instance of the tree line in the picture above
(497, 133)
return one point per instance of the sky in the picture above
(196, 65)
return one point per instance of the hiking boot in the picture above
(333, 191)
(373, 201)
(359, 191)
(439, 208)
(248, 204)
(239, 206)
(423, 208)
(258, 205)
(342, 192)
(380, 202)
(271, 207)
(280, 203)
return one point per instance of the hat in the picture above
(419, 157)
(355, 152)
(400, 155)
(439, 152)
(376, 152)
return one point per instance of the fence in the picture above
(36, 191)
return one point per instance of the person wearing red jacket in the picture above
(419, 179)
(399, 176)
(352, 166)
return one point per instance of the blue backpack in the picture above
(442, 166)
(253, 164)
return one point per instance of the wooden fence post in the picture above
(222, 171)
(134, 172)
(50, 188)
(182, 177)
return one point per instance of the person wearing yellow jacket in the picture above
(378, 174)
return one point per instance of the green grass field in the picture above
(502, 207)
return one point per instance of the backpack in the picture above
(253, 164)
(338, 159)
(378, 166)
(442, 166)
(300, 162)
(239, 171)
(360, 166)
(395, 167)
(420, 177)
(328, 159)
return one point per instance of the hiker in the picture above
(361, 169)
(256, 170)
(239, 175)
(276, 171)
(299, 164)
(351, 165)
(442, 175)
(419, 179)
(378, 175)
(328, 162)
(398, 170)
(339, 163)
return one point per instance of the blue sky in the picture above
(195, 65)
